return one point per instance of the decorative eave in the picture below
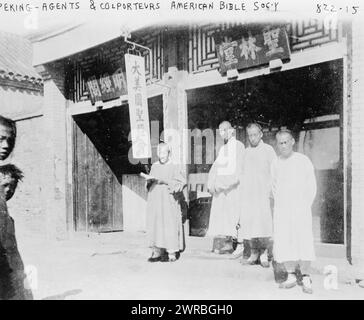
(11, 79)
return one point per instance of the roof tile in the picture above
(16, 59)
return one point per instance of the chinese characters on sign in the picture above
(107, 87)
(138, 106)
(253, 49)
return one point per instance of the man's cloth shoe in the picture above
(170, 257)
(290, 282)
(252, 260)
(239, 251)
(155, 259)
(264, 259)
(307, 284)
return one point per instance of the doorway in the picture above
(107, 186)
(307, 100)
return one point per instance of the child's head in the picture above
(10, 175)
(7, 137)
(164, 152)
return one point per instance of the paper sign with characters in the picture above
(252, 48)
(138, 106)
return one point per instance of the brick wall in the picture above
(55, 153)
(17, 103)
(358, 144)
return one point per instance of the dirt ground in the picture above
(114, 266)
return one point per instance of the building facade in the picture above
(93, 187)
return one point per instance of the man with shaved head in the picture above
(294, 189)
(256, 216)
(224, 185)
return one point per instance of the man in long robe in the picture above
(256, 215)
(164, 224)
(224, 185)
(294, 190)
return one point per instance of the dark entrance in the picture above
(307, 100)
(101, 149)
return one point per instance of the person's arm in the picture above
(311, 186)
(149, 178)
(178, 182)
(240, 160)
(3, 206)
(211, 179)
(272, 156)
(3, 214)
(273, 171)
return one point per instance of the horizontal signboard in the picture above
(252, 48)
(107, 87)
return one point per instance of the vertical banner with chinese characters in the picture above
(138, 106)
(252, 48)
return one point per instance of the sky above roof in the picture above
(38, 20)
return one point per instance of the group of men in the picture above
(265, 200)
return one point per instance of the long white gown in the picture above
(294, 189)
(256, 214)
(225, 175)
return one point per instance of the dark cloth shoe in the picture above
(280, 273)
(169, 258)
(165, 257)
(155, 259)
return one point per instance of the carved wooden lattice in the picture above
(201, 52)
(108, 58)
(154, 61)
(201, 47)
(305, 34)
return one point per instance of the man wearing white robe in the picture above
(256, 215)
(224, 185)
(294, 189)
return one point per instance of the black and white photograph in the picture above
(181, 150)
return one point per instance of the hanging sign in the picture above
(107, 87)
(253, 48)
(138, 106)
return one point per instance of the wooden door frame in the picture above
(74, 109)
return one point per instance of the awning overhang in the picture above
(76, 38)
